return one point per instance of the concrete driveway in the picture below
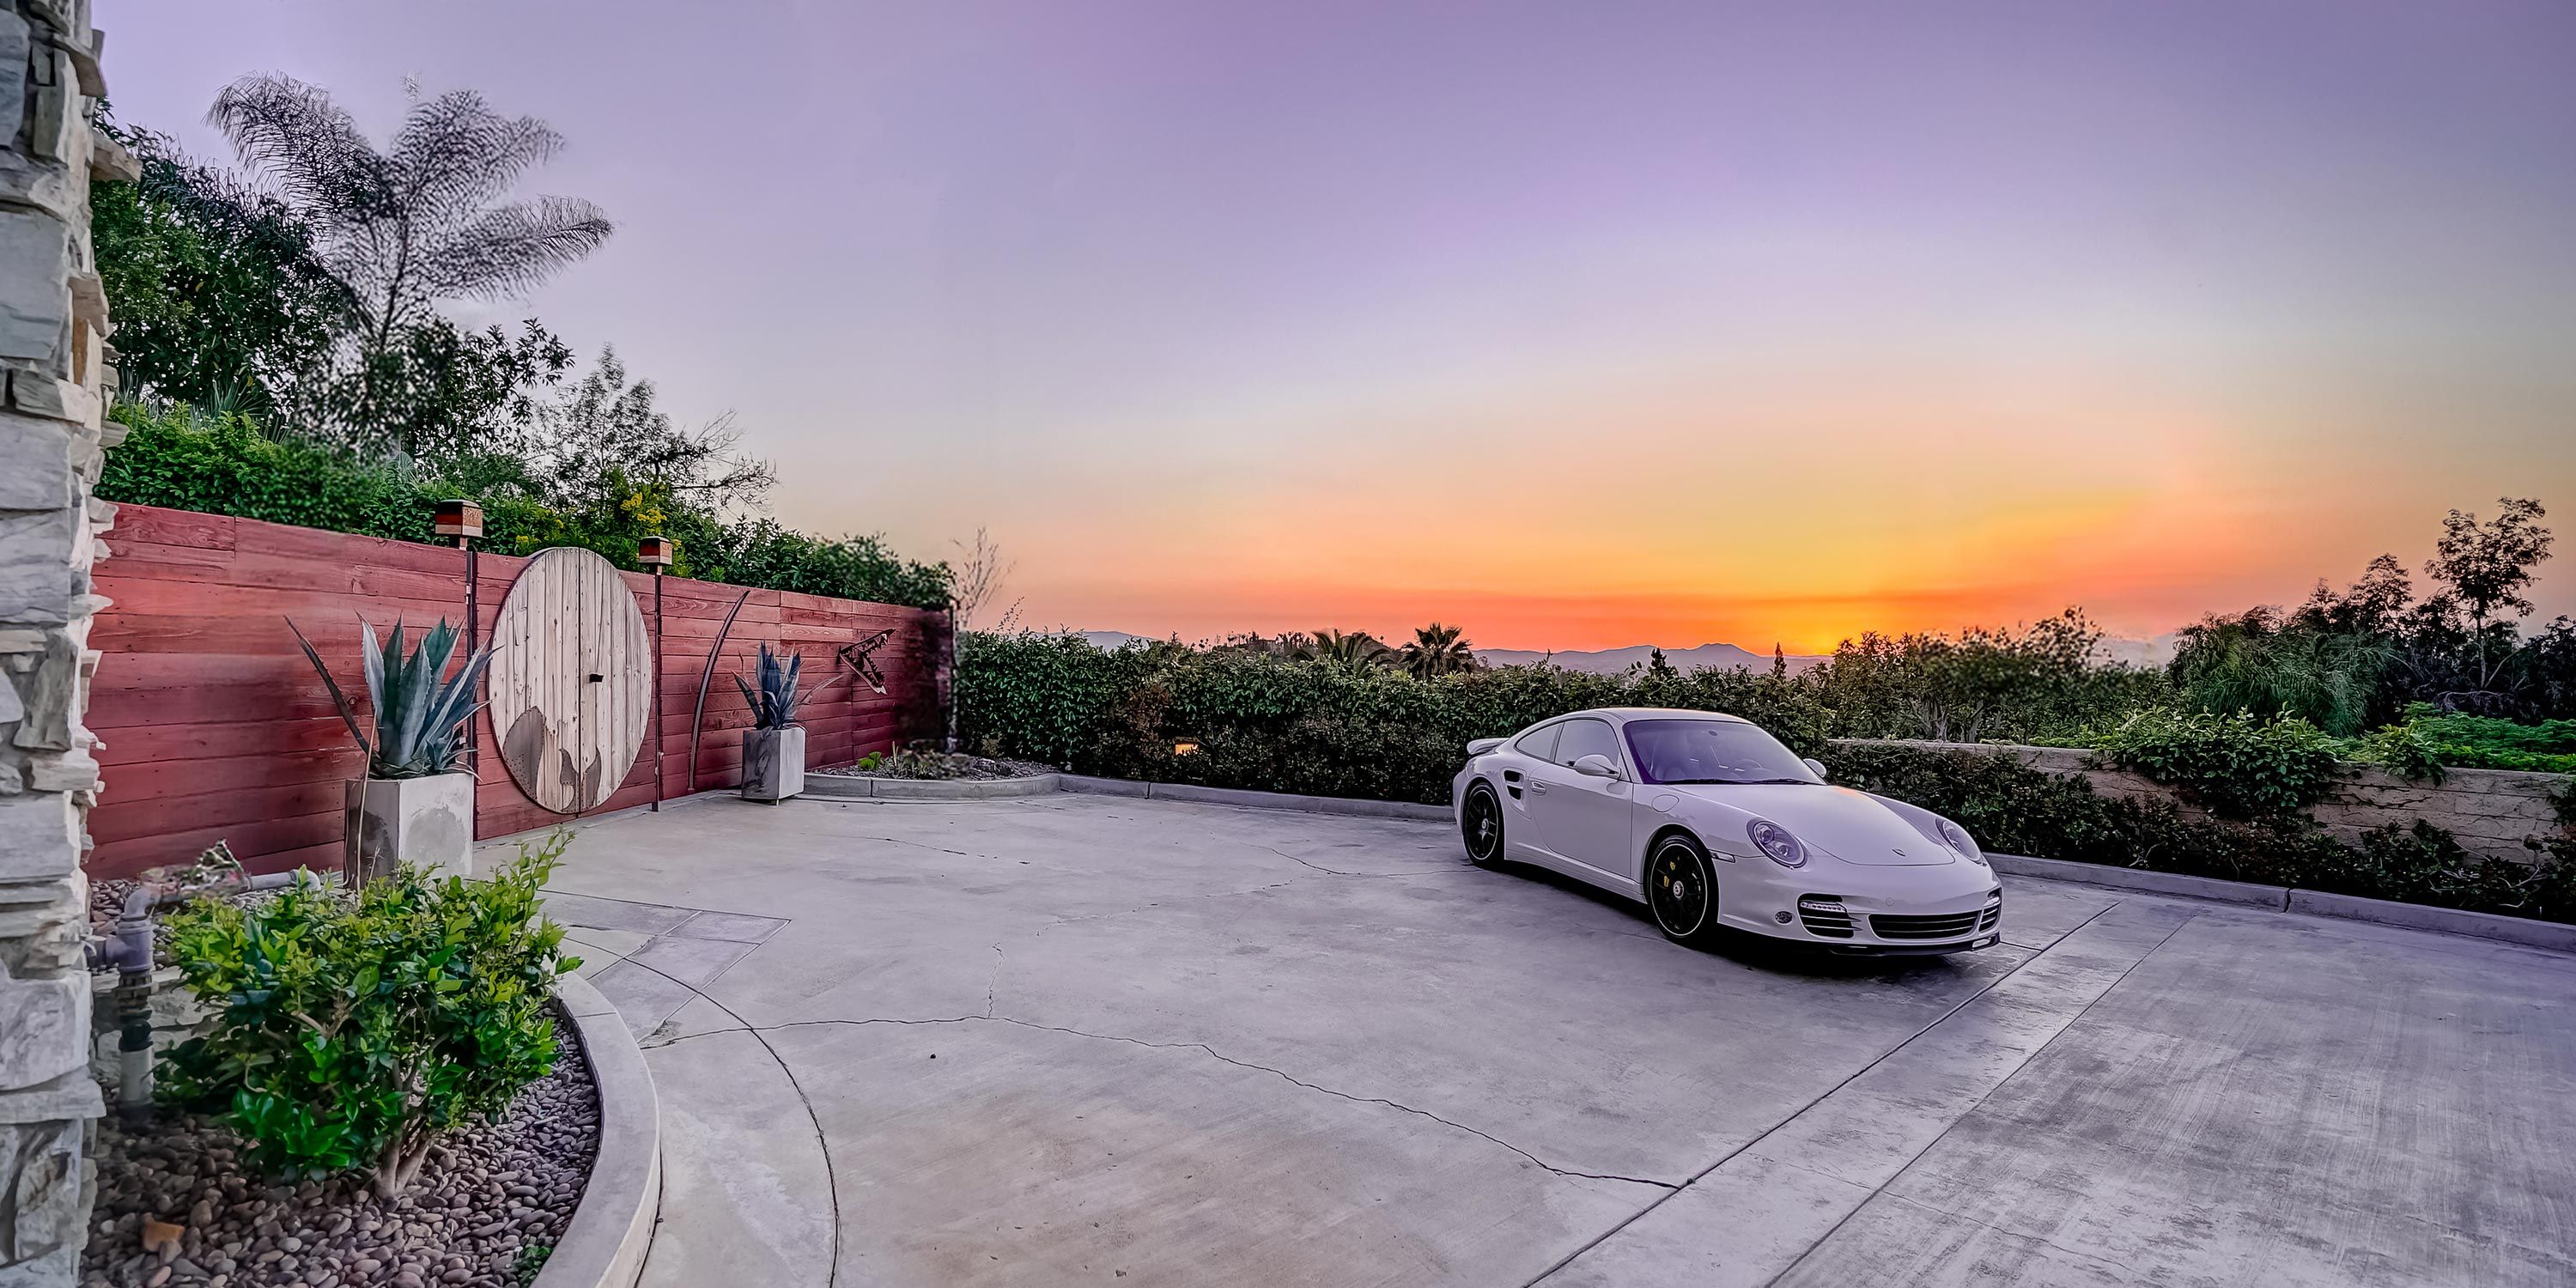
(1081, 1039)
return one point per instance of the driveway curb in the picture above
(2416, 916)
(1252, 799)
(604, 1245)
(847, 787)
(2143, 879)
(957, 789)
(2551, 935)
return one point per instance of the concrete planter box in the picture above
(424, 821)
(773, 763)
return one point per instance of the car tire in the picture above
(1480, 826)
(1681, 890)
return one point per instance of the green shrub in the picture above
(348, 1031)
(183, 460)
(2012, 808)
(2239, 766)
(2035, 685)
(2255, 662)
(2477, 742)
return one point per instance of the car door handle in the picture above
(1539, 788)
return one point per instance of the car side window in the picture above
(1585, 738)
(1539, 743)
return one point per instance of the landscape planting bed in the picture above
(178, 1206)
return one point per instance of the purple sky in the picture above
(1588, 324)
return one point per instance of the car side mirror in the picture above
(1595, 766)
(1814, 764)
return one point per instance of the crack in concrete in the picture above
(1426, 872)
(936, 849)
(1204, 1049)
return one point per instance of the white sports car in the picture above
(1711, 822)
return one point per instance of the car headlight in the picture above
(1959, 840)
(1776, 841)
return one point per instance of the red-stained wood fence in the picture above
(213, 727)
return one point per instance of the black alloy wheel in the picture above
(1480, 825)
(1681, 890)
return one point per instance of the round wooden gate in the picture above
(571, 679)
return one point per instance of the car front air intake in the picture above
(1946, 925)
(1824, 916)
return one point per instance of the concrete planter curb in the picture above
(2142, 879)
(2416, 916)
(931, 789)
(604, 1245)
(2551, 935)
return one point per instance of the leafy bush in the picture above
(2027, 686)
(1329, 728)
(2239, 766)
(225, 464)
(2256, 662)
(2482, 742)
(350, 1030)
(2012, 808)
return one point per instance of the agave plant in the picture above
(418, 708)
(773, 704)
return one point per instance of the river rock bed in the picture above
(489, 1203)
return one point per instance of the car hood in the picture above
(1848, 825)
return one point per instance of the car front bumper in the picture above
(1917, 913)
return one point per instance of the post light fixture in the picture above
(460, 519)
(655, 554)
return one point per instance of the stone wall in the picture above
(53, 332)
(2505, 814)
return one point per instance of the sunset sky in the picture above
(1578, 324)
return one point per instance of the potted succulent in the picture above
(416, 804)
(773, 748)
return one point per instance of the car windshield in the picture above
(1712, 751)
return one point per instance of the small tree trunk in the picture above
(401, 1162)
(953, 627)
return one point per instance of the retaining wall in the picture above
(213, 726)
(2506, 814)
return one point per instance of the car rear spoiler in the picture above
(1479, 746)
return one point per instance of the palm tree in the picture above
(1355, 648)
(423, 221)
(1438, 650)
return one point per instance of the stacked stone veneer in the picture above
(2501, 813)
(53, 332)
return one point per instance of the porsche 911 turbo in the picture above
(1714, 825)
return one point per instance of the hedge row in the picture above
(1321, 728)
(1334, 729)
(2012, 808)
(224, 465)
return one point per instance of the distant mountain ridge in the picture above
(1611, 661)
